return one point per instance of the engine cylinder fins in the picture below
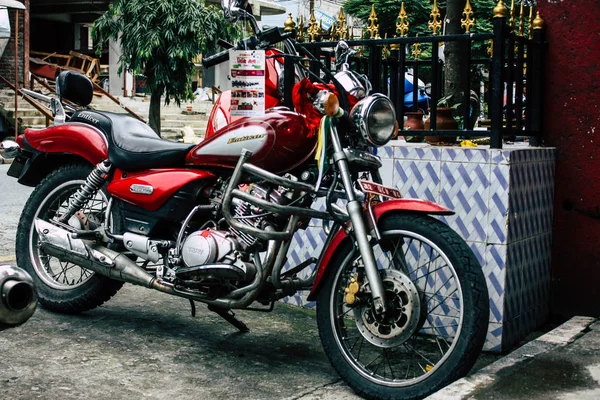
(213, 271)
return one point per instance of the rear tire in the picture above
(62, 287)
(439, 319)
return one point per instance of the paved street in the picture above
(144, 344)
(12, 199)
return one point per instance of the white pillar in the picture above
(115, 80)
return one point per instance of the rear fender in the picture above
(44, 150)
(75, 138)
(340, 237)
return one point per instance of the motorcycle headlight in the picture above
(375, 119)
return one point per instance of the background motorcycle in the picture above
(402, 304)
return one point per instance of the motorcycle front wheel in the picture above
(436, 316)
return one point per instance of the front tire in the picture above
(438, 311)
(62, 286)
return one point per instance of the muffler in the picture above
(60, 243)
(18, 299)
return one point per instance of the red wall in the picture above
(572, 125)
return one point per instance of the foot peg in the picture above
(229, 316)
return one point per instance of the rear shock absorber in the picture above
(92, 184)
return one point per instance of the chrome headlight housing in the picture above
(375, 119)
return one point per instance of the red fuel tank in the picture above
(279, 141)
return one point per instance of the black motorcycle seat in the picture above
(133, 145)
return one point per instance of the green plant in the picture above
(445, 102)
(160, 39)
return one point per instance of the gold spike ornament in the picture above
(538, 22)
(402, 23)
(500, 11)
(300, 35)
(435, 23)
(313, 29)
(522, 20)
(530, 28)
(511, 20)
(468, 22)
(373, 27)
(341, 29)
(416, 51)
(289, 23)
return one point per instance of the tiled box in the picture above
(503, 202)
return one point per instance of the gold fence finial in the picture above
(289, 23)
(342, 31)
(435, 23)
(530, 28)
(333, 33)
(361, 49)
(500, 10)
(313, 29)
(402, 23)
(385, 52)
(373, 27)
(522, 20)
(538, 22)
(490, 49)
(468, 22)
(416, 51)
(300, 35)
(511, 20)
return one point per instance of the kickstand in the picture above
(229, 316)
(193, 307)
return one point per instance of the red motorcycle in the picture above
(402, 305)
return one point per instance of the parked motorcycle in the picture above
(402, 305)
(18, 300)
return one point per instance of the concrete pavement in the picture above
(144, 344)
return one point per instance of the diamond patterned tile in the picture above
(417, 179)
(387, 172)
(499, 156)
(465, 189)
(418, 152)
(460, 154)
(495, 275)
(386, 152)
(497, 221)
(493, 340)
(531, 200)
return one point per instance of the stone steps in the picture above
(173, 118)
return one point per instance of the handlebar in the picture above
(216, 59)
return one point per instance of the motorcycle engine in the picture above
(255, 216)
(207, 247)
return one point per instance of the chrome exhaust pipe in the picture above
(18, 299)
(58, 242)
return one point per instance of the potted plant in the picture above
(443, 119)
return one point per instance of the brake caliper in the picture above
(352, 289)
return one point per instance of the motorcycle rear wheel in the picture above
(62, 286)
(437, 297)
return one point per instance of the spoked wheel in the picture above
(436, 311)
(62, 286)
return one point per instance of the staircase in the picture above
(173, 118)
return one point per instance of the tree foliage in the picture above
(160, 38)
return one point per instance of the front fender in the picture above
(380, 210)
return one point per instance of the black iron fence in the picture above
(510, 92)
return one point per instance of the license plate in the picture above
(375, 188)
(17, 166)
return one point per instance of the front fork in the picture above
(355, 211)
